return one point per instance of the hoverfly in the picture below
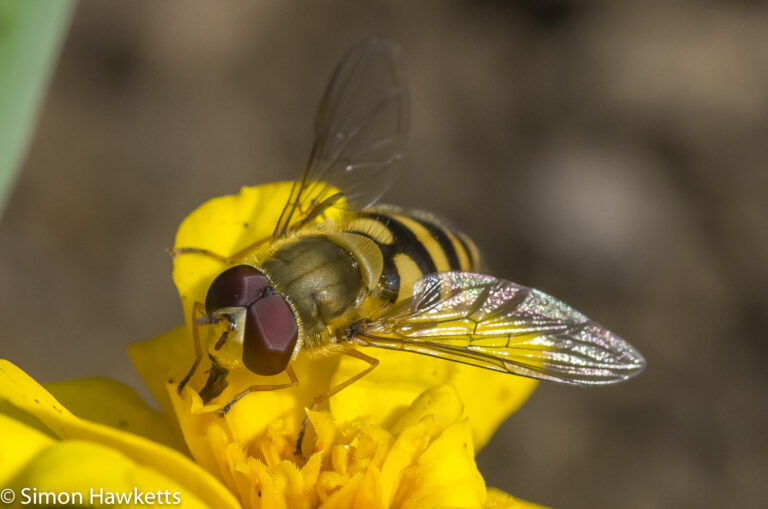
(380, 276)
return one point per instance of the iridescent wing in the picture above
(495, 324)
(360, 134)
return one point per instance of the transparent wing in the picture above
(499, 325)
(360, 134)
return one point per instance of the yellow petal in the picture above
(407, 447)
(441, 403)
(19, 444)
(84, 473)
(445, 474)
(497, 499)
(345, 496)
(386, 393)
(118, 406)
(24, 418)
(24, 393)
(489, 398)
(369, 495)
(325, 428)
(168, 356)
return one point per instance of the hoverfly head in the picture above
(262, 330)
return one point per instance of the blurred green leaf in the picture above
(31, 32)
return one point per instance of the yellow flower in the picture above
(45, 448)
(403, 436)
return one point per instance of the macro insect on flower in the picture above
(340, 274)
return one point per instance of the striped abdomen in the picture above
(413, 244)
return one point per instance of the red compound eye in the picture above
(239, 286)
(270, 335)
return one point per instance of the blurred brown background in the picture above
(612, 155)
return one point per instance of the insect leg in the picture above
(198, 308)
(336, 389)
(186, 250)
(260, 388)
(229, 260)
(333, 390)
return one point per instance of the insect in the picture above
(379, 276)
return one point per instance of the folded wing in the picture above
(495, 324)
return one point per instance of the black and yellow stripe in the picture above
(413, 244)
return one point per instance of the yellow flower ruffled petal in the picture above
(84, 473)
(142, 459)
(118, 406)
(426, 459)
(386, 392)
(19, 444)
(158, 359)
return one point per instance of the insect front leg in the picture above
(197, 309)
